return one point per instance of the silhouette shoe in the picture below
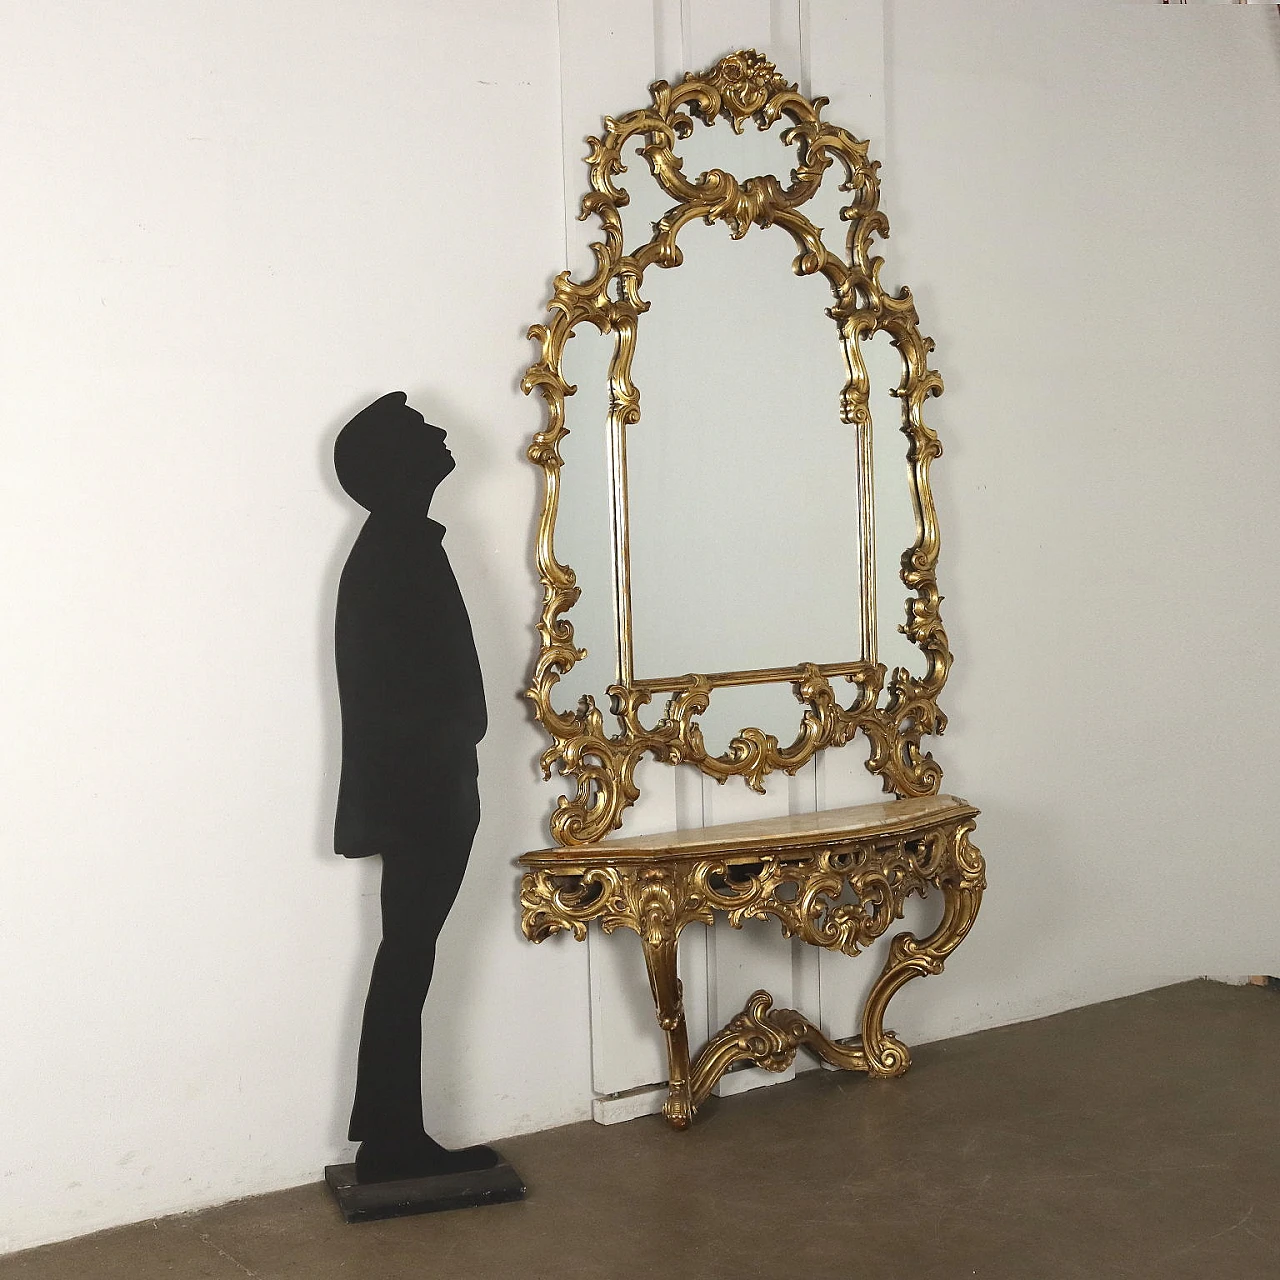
(418, 1157)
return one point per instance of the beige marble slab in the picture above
(765, 835)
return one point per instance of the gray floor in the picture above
(1139, 1138)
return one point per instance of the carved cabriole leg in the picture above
(659, 942)
(659, 904)
(655, 902)
(961, 880)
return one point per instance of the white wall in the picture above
(228, 227)
(1086, 202)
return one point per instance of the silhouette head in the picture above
(390, 459)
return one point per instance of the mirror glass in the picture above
(895, 519)
(582, 532)
(742, 481)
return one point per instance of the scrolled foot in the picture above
(888, 1058)
(678, 1111)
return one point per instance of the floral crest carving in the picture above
(895, 711)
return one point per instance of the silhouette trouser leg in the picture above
(418, 889)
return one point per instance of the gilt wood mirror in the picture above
(733, 340)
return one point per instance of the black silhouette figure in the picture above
(412, 711)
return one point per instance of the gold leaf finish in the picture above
(741, 87)
(836, 880)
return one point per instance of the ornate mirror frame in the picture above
(743, 86)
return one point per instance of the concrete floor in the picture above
(1138, 1138)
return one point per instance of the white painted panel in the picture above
(717, 27)
(618, 1108)
(627, 1049)
(844, 779)
(806, 975)
(785, 47)
(695, 971)
(845, 60)
(627, 1045)
(669, 54)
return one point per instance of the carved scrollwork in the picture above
(653, 901)
(743, 86)
(840, 892)
(769, 1038)
(841, 897)
(550, 902)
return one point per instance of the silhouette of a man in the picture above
(412, 711)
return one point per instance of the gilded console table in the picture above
(796, 869)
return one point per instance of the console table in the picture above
(802, 870)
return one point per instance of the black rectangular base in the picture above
(366, 1202)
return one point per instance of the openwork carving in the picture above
(741, 87)
(839, 890)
